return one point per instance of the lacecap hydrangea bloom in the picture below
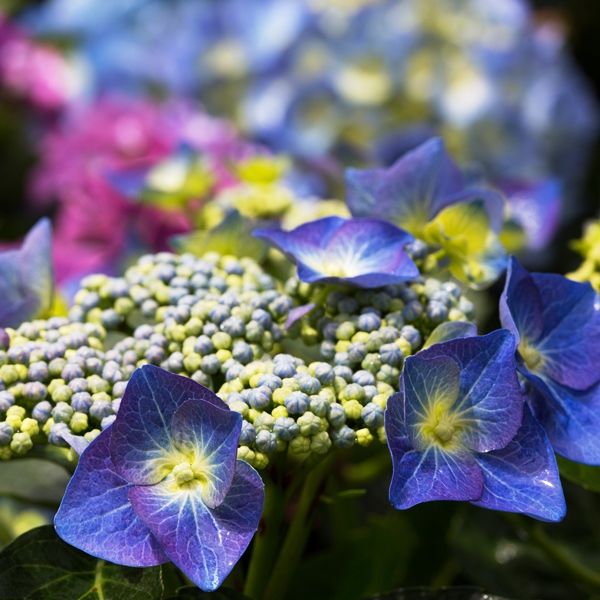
(163, 483)
(557, 324)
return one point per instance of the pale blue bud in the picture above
(297, 403)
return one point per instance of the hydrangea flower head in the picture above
(457, 431)
(163, 483)
(362, 252)
(557, 325)
(34, 72)
(26, 280)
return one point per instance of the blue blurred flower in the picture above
(163, 483)
(26, 278)
(457, 431)
(557, 325)
(362, 252)
(535, 207)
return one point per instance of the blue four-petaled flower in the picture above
(459, 430)
(163, 483)
(557, 325)
(362, 252)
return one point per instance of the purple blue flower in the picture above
(163, 483)
(416, 188)
(362, 252)
(557, 325)
(458, 430)
(26, 279)
(536, 208)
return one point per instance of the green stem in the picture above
(265, 542)
(367, 470)
(558, 553)
(295, 540)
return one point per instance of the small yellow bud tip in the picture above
(183, 473)
(186, 475)
(443, 432)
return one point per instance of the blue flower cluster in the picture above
(310, 76)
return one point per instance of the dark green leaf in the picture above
(583, 475)
(40, 566)
(445, 593)
(193, 593)
(33, 479)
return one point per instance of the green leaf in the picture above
(583, 475)
(233, 236)
(450, 330)
(33, 479)
(445, 593)
(193, 593)
(40, 566)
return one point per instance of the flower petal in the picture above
(428, 383)
(521, 303)
(141, 443)
(304, 243)
(425, 475)
(536, 207)
(362, 252)
(490, 395)
(571, 418)
(571, 336)
(410, 192)
(204, 543)
(465, 231)
(26, 279)
(523, 477)
(95, 514)
(434, 475)
(560, 320)
(212, 434)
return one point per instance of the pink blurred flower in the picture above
(34, 72)
(96, 225)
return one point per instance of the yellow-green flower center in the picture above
(335, 269)
(186, 474)
(531, 356)
(442, 427)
